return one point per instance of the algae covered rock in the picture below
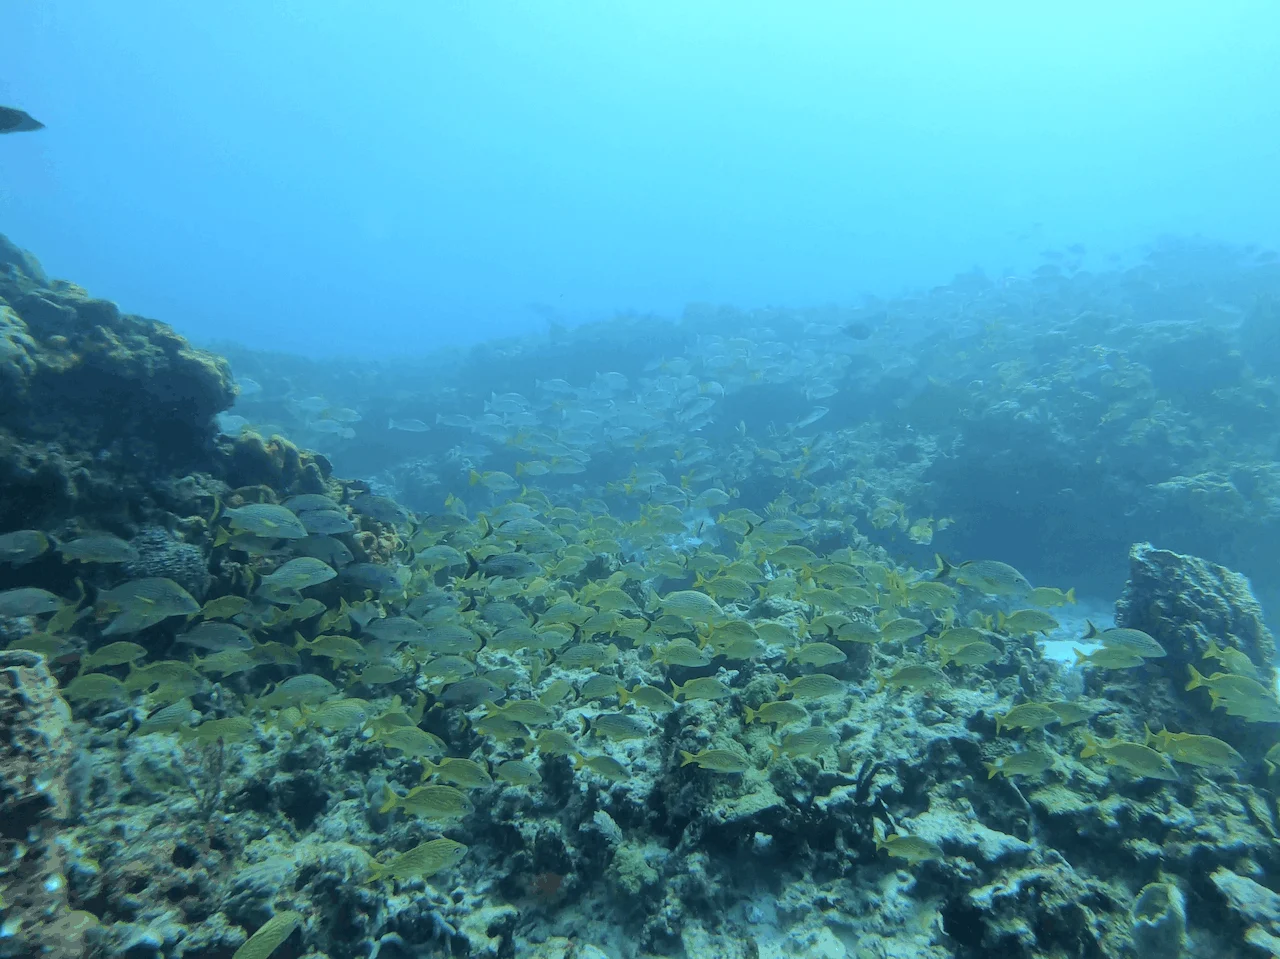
(1255, 907)
(1159, 922)
(36, 761)
(92, 392)
(1188, 603)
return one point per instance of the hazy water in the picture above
(328, 179)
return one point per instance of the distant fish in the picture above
(816, 414)
(862, 329)
(409, 426)
(17, 121)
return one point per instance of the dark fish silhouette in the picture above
(17, 121)
(862, 329)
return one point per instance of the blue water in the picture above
(325, 178)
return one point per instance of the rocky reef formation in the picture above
(97, 402)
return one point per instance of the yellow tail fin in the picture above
(1090, 747)
(389, 799)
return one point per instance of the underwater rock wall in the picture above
(98, 404)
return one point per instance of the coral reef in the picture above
(600, 712)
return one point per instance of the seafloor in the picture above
(632, 640)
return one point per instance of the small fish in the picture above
(604, 766)
(1026, 716)
(931, 593)
(338, 649)
(716, 760)
(811, 687)
(1070, 712)
(466, 773)
(295, 691)
(705, 687)
(226, 662)
(412, 742)
(408, 425)
(809, 742)
(555, 742)
(528, 712)
(902, 629)
(507, 565)
(167, 719)
(682, 652)
(269, 936)
(911, 848)
(648, 697)
(337, 714)
(428, 802)
(816, 654)
(297, 574)
(308, 502)
(224, 607)
(98, 548)
(1047, 596)
(1024, 622)
(1232, 660)
(24, 545)
(502, 729)
(1129, 640)
(94, 687)
(971, 654)
(692, 605)
(229, 729)
(422, 861)
(112, 654)
(985, 575)
(1207, 752)
(517, 773)
(1239, 695)
(266, 520)
(812, 417)
(472, 692)
(557, 691)
(28, 601)
(215, 636)
(780, 713)
(13, 120)
(166, 672)
(916, 676)
(145, 602)
(377, 674)
(1108, 657)
(1031, 761)
(618, 726)
(957, 637)
(1136, 758)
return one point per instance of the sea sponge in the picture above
(161, 554)
(1159, 922)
